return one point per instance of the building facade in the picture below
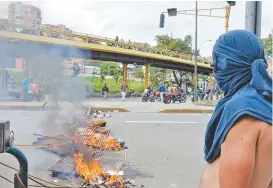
(22, 14)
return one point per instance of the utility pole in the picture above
(195, 54)
(253, 17)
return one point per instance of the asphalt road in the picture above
(164, 150)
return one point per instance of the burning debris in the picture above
(82, 149)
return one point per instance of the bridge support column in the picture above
(147, 75)
(124, 72)
(211, 80)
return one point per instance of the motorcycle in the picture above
(157, 96)
(148, 96)
(169, 97)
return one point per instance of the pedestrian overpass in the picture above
(27, 42)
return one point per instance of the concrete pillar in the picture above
(147, 75)
(211, 80)
(124, 72)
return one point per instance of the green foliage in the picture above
(102, 77)
(183, 76)
(164, 42)
(111, 69)
(139, 72)
(113, 85)
(267, 42)
(157, 75)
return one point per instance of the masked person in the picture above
(238, 138)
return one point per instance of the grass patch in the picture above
(114, 87)
(96, 82)
(208, 102)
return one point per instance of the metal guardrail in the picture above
(87, 38)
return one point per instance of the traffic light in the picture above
(162, 20)
(6, 136)
(172, 11)
(231, 3)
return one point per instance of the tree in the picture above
(179, 79)
(157, 75)
(111, 69)
(116, 76)
(164, 42)
(139, 72)
(267, 42)
(102, 77)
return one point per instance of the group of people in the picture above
(123, 91)
(30, 90)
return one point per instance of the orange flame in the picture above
(98, 140)
(92, 171)
(115, 180)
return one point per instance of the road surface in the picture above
(165, 150)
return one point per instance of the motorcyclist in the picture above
(149, 90)
(162, 90)
(177, 94)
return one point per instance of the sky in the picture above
(139, 20)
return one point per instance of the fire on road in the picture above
(164, 150)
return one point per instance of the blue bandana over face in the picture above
(240, 71)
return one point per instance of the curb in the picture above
(187, 110)
(107, 109)
(37, 108)
(30, 108)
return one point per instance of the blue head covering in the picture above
(240, 71)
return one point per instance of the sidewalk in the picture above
(110, 105)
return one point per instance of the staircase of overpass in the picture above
(22, 41)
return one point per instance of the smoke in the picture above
(46, 66)
(44, 63)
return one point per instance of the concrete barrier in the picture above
(27, 106)
(187, 110)
(111, 109)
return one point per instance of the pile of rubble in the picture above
(85, 150)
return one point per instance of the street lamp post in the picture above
(195, 53)
(175, 12)
(253, 17)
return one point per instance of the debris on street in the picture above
(85, 150)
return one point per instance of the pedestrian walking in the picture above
(123, 90)
(26, 89)
(162, 90)
(35, 92)
(207, 90)
(105, 90)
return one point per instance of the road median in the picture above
(187, 110)
(110, 109)
(37, 106)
